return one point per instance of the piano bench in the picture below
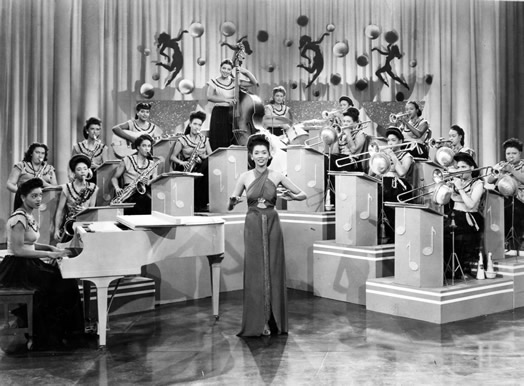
(17, 296)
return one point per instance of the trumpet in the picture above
(374, 149)
(439, 142)
(328, 135)
(355, 127)
(332, 114)
(394, 118)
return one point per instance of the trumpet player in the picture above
(191, 154)
(512, 168)
(131, 168)
(465, 218)
(456, 140)
(92, 146)
(76, 195)
(415, 129)
(394, 179)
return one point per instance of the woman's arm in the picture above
(122, 130)
(207, 151)
(121, 168)
(472, 199)
(417, 132)
(213, 97)
(401, 166)
(293, 192)
(40, 251)
(105, 155)
(252, 80)
(174, 157)
(52, 180)
(13, 179)
(237, 191)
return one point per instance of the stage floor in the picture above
(330, 343)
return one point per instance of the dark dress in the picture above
(57, 310)
(265, 294)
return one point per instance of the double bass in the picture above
(248, 111)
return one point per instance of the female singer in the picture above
(131, 129)
(265, 299)
(57, 310)
(395, 180)
(194, 148)
(134, 168)
(456, 138)
(76, 195)
(513, 205)
(468, 191)
(415, 129)
(276, 114)
(221, 91)
(91, 146)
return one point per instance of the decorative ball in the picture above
(391, 36)
(147, 51)
(196, 30)
(372, 31)
(363, 60)
(201, 61)
(293, 85)
(330, 27)
(186, 86)
(316, 93)
(429, 79)
(270, 68)
(340, 49)
(302, 20)
(361, 84)
(155, 76)
(262, 36)
(288, 42)
(413, 63)
(228, 28)
(400, 96)
(147, 91)
(335, 79)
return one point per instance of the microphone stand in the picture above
(511, 238)
(454, 256)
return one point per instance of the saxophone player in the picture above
(76, 195)
(136, 170)
(191, 154)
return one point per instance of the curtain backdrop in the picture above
(66, 60)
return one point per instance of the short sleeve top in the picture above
(30, 225)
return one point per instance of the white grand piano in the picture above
(108, 250)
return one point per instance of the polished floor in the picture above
(330, 343)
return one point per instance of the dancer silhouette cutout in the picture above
(392, 53)
(316, 61)
(176, 61)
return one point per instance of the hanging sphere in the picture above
(262, 36)
(429, 79)
(340, 49)
(228, 28)
(391, 36)
(335, 79)
(400, 96)
(196, 30)
(413, 63)
(155, 76)
(302, 20)
(147, 51)
(316, 93)
(362, 84)
(288, 42)
(186, 86)
(363, 60)
(372, 31)
(270, 68)
(293, 85)
(330, 27)
(147, 91)
(201, 61)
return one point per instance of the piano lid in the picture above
(158, 219)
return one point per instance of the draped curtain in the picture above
(66, 60)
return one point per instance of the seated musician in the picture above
(131, 129)
(415, 129)
(344, 103)
(465, 200)
(92, 146)
(277, 116)
(76, 196)
(394, 180)
(191, 154)
(57, 311)
(136, 171)
(456, 138)
(513, 167)
(352, 140)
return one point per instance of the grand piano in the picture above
(108, 250)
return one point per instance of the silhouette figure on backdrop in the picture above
(316, 62)
(176, 61)
(392, 52)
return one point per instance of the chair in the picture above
(18, 296)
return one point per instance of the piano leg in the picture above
(214, 266)
(102, 283)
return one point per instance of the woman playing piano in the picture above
(76, 195)
(415, 129)
(91, 146)
(277, 115)
(57, 310)
(265, 299)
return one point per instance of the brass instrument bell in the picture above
(507, 186)
(380, 163)
(445, 156)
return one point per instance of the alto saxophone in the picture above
(138, 185)
(191, 162)
(67, 230)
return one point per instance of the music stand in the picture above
(511, 237)
(454, 257)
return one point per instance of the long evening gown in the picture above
(265, 297)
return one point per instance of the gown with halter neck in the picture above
(265, 297)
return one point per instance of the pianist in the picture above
(57, 310)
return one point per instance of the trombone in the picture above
(328, 135)
(394, 118)
(374, 148)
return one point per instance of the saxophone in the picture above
(138, 185)
(191, 162)
(67, 230)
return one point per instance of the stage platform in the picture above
(440, 305)
(340, 271)
(512, 267)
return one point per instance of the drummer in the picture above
(277, 116)
(510, 176)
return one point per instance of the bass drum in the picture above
(295, 135)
